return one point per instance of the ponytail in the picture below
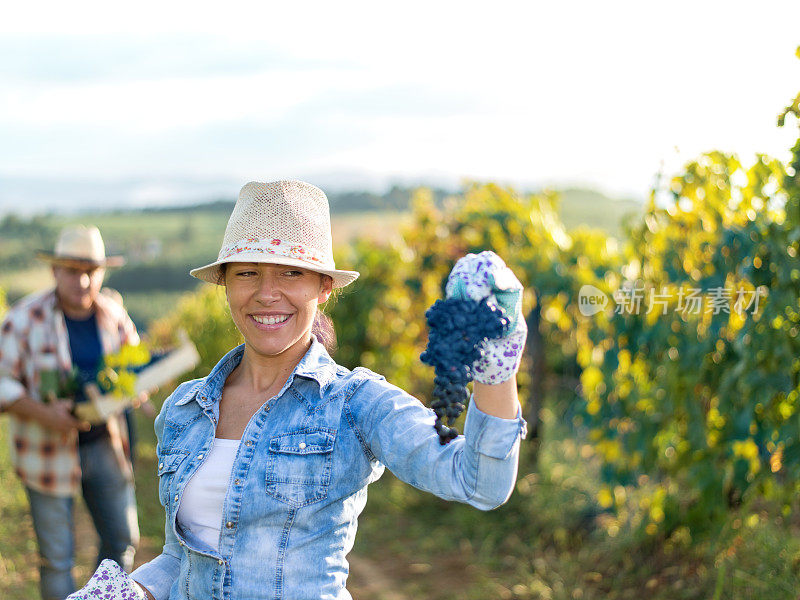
(323, 329)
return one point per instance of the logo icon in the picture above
(591, 300)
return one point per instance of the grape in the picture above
(456, 332)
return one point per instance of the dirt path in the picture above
(369, 582)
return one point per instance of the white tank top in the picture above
(201, 505)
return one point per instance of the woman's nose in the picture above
(84, 280)
(268, 291)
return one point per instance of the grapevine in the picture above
(457, 330)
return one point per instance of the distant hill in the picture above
(577, 206)
(55, 199)
(395, 199)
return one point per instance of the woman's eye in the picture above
(245, 273)
(293, 273)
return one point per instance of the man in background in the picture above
(62, 334)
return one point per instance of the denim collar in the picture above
(316, 365)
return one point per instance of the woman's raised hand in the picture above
(485, 275)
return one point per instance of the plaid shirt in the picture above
(33, 339)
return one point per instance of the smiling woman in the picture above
(276, 298)
(263, 465)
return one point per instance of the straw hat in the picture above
(80, 244)
(280, 222)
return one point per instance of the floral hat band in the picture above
(280, 222)
(274, 247)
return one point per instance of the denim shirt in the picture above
(299, 480)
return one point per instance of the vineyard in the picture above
(686, 388)
(664, 452)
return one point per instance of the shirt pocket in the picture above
(167, 465)
(299, 466)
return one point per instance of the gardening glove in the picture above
(485, 275)
(109, 582)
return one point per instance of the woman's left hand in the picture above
(485, 275)
(109, 581)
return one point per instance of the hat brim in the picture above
(54, 259)
(212, 273)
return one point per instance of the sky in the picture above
(176, 98)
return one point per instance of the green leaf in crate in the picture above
(49, 385)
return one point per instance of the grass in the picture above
(590, 208)
(144, 307)
(18, 574)
(19, 282)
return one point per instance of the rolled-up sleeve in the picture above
(492, 453)
(493, 436)
(11, 388)
(478, 468)
(159, 574)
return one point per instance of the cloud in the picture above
(595, 92)
(61, 59)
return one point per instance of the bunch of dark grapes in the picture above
(456, 331)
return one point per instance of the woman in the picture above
(264, 464)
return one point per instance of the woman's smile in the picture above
(269, 322)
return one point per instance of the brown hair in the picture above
(323, 329)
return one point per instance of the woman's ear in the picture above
(325, 289)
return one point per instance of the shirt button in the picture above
(229, 524)
(160, 465)
(199, 457)
(237, 481)
(220, 561)
(176, 497)
(301, 445)
(248, 443)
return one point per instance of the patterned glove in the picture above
(109, 582)
(485, 275)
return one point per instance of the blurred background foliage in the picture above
(665, 452)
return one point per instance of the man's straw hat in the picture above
(280, 222)
(80, 244)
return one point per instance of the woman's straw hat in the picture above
(80, 245)
(280, 222)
